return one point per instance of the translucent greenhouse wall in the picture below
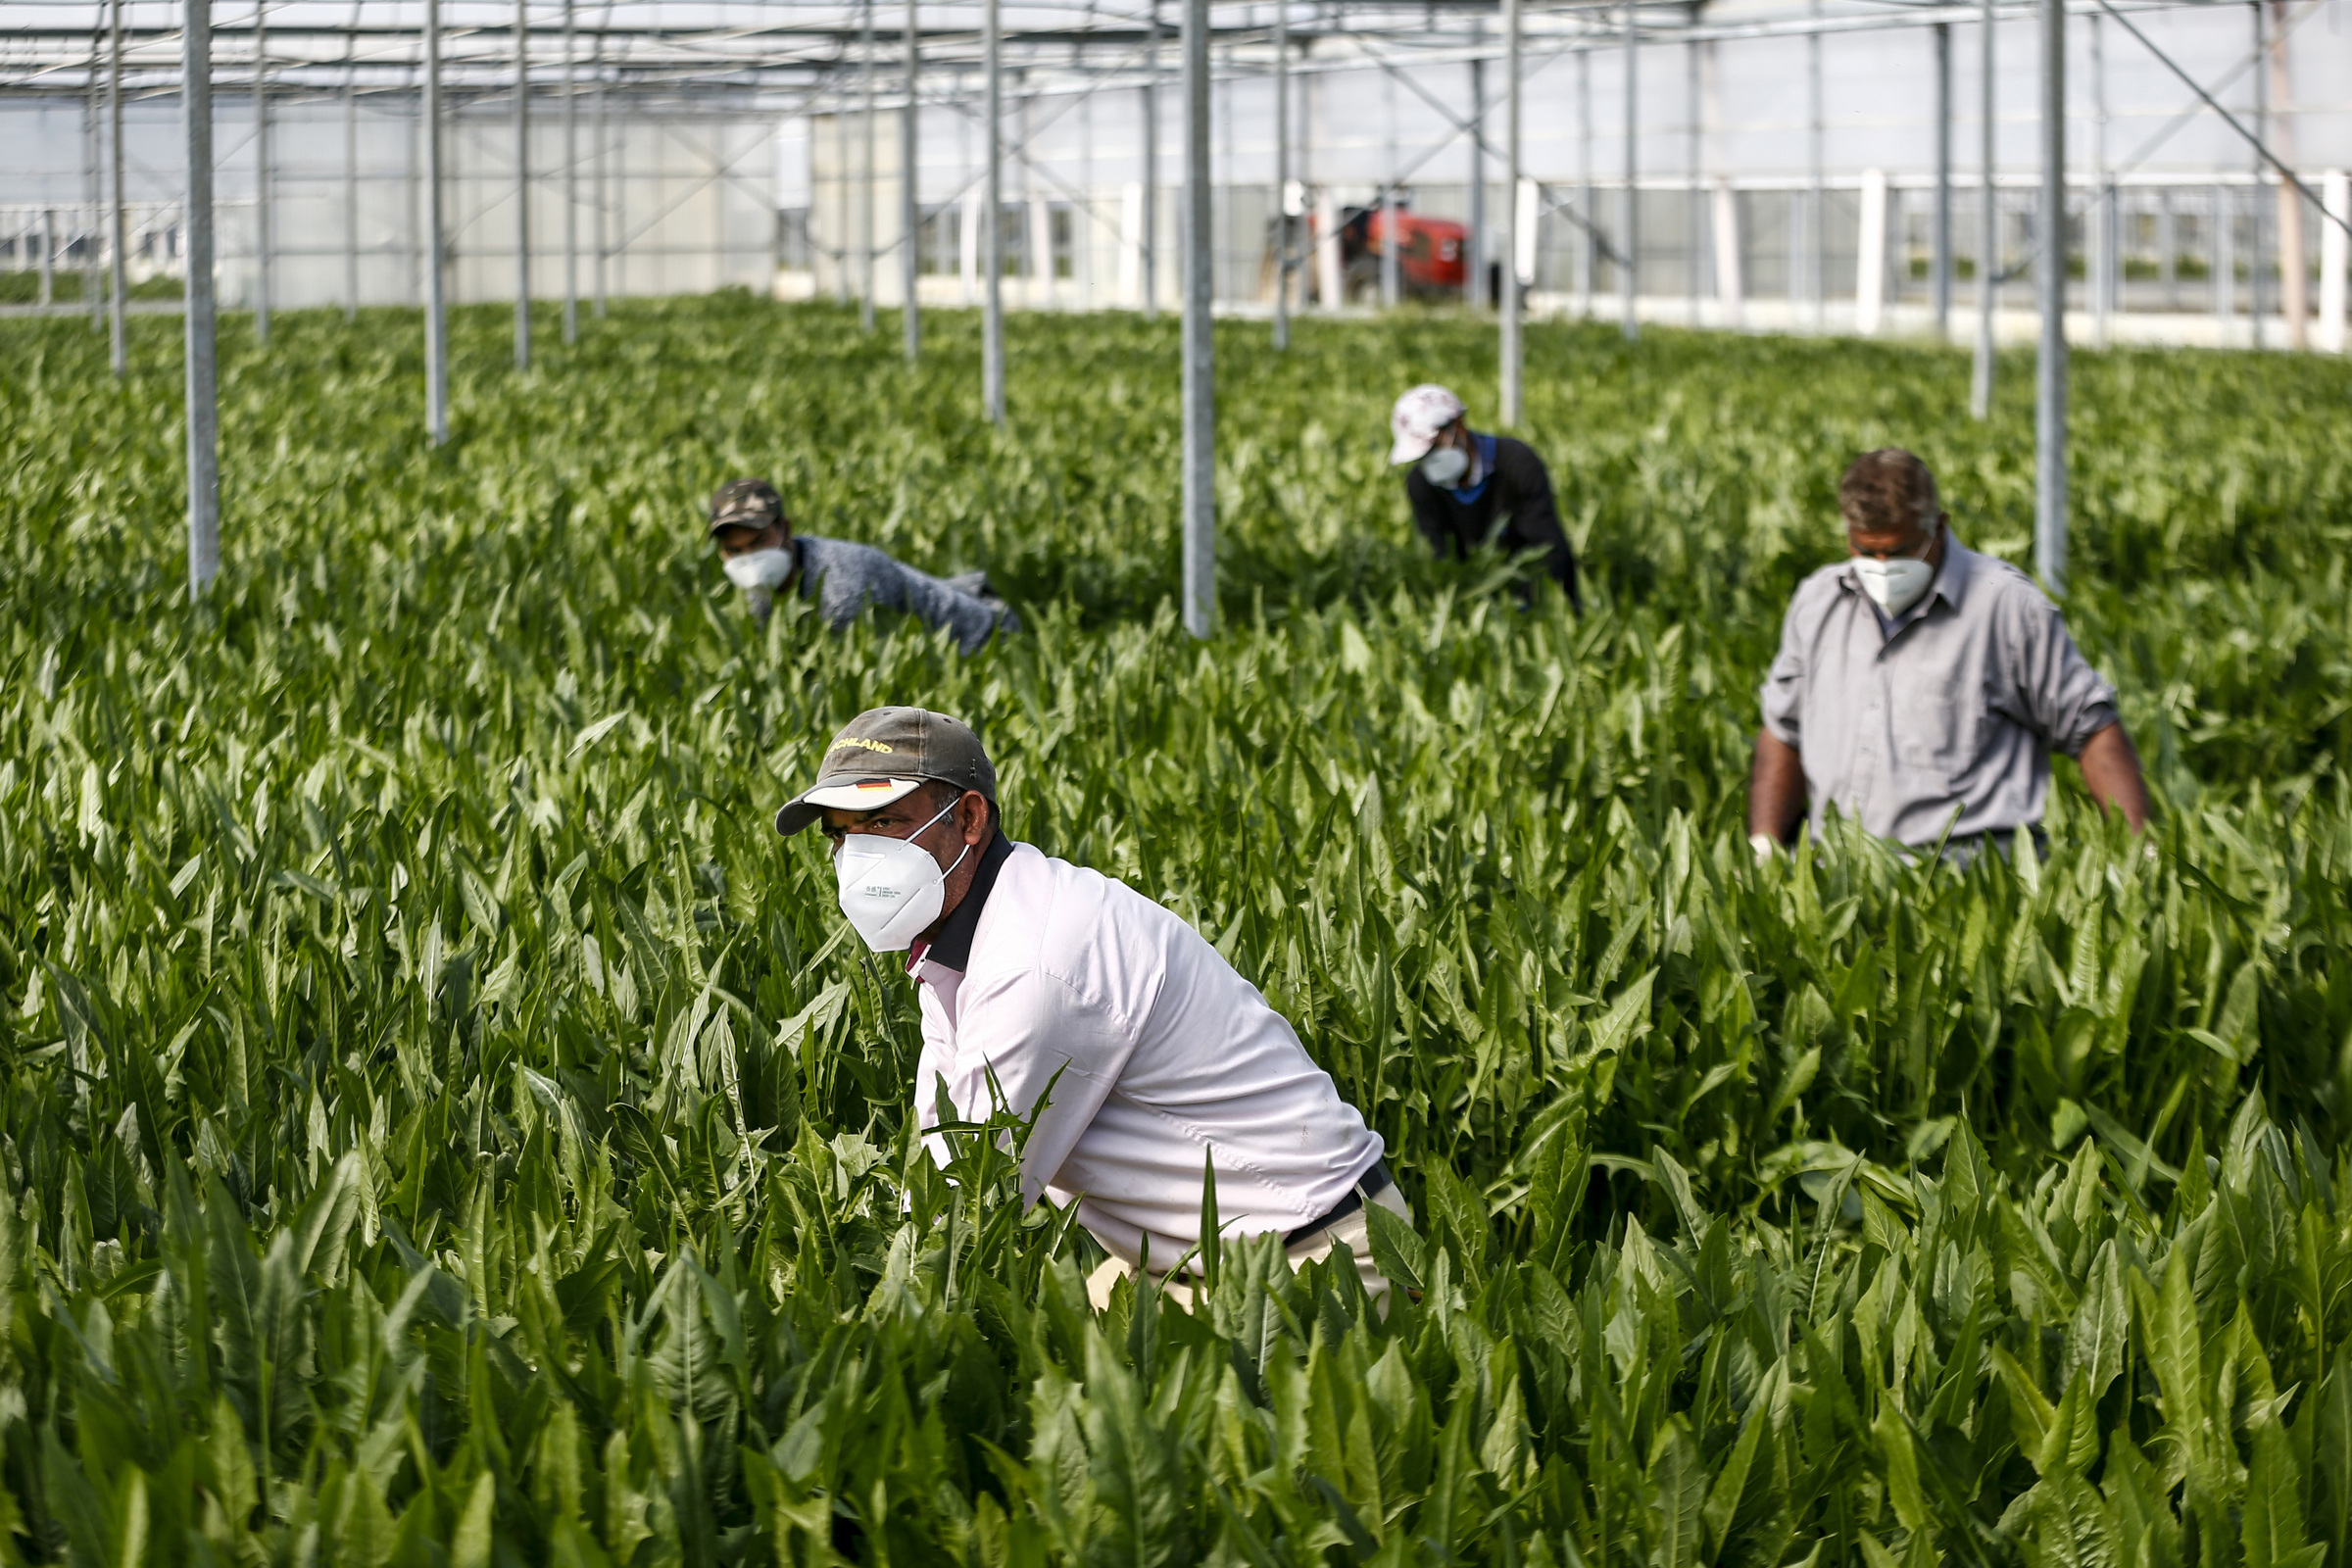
(1749, 211)
(685, 195)
(1761, 201)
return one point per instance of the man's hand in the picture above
(1775, 790)
(2111, 772)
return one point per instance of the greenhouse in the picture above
(1579, 777)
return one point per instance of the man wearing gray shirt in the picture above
(1921, 687)
(762, 554)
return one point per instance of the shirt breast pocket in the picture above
(1934, 723)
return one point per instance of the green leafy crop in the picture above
(440, 1122)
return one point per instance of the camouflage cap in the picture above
(886, 754)
(746, 503)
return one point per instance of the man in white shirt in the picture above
(1029, 967)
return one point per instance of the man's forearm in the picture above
(1775, 788)
(2111, 772)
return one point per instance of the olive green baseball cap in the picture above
(886, 754)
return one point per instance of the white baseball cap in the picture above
(1420, 417)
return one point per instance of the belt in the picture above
(1369, 1185)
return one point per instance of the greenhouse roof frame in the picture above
(795, 50)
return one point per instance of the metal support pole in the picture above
(1988, 240)
(2049, 409)
(1509, 411)
(1588, 254)
(1629, 202)
(1150, 235)
(262, 174)
(910, 211)
(1816, 191)
(2258, 293)
(992, 227)
(1391, 245)
(865, 162)
(1940, 279)
(1694, 205)
(204, 412)
(602, 190)
(436, 306)
(1282, 178)
(1474, 252)
(48, 255)
(2098, 224)
(1199, 363)
(351, 187)
(2294, 284)
(523, 185)
(92, 222)
(572, 191)
(118, 340)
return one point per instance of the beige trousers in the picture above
(1354, 1230)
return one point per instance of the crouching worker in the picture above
(1027, 967)
(1469, 490)
(763, 557)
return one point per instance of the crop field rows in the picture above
(442, 1123)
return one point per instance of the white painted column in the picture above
(1131, 243)
(1870, 259)
(1527, 202)
(2336, 195)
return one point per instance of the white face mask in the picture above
(1895, 586)
(1445, 467)
(760, 568)
(891, 889)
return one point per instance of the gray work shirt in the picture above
(1955, 706)
(845, 579)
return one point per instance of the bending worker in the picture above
(761, 556)
(1469, 489)
(1921, 687)
(1029, 967)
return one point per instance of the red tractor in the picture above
(1431, 264)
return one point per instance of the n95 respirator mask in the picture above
(1895, 586)
(1445, 467)
(760, 568)
(891, 889)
